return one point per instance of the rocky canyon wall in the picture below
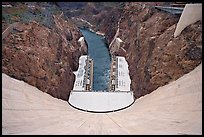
(96, 16)
(44, 57)
(154, 56)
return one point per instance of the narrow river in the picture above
(99, 52)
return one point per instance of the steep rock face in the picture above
(96, 16)
(155, 58)
(43, 57)
(107, 22)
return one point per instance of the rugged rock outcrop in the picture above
(43, 57)
(98, 16)
(154, 56)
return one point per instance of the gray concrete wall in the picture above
(190, 14)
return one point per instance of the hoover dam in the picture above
(175, 108)
(120, 74)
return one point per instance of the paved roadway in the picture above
(172, 10)
(173, 109)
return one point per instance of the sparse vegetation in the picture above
(42, 13)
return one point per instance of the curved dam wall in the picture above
(190, 14)
(174, 109)
(101, 101)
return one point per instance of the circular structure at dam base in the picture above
(101, 102)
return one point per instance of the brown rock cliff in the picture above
(43, 57)
(154, 56)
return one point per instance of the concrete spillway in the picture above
(84, 98)
(172, 109)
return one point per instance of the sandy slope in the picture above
(173, 109)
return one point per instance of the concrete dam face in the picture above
(175, 108)
(45, 53)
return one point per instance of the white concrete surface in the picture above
(101, 101)
(175, 108)
(80, 73)
(81, 39)
(190, 14)
(83, 21)
(123, 78)
(8, 5)
(119, 40)
(100, 33)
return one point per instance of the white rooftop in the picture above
(80, 39)
(7, 5)
(123, 78)
(78, 84)
(119, 39)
